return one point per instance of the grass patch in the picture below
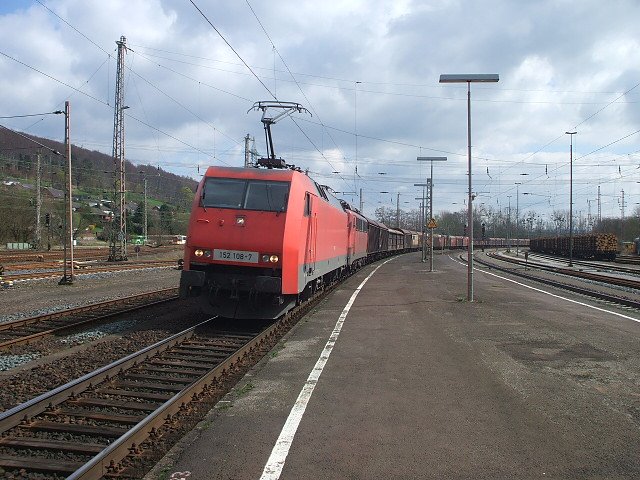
(276, 350)
(245, 389)
(223, 406)
(164, 473)
(205, 425)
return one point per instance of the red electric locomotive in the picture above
(261, 239)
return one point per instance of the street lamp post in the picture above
(468, 79)
(571, 134)
(431, 159)
(355, 123)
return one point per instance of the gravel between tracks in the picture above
(53, 361)
(29, 298)
(615, 290)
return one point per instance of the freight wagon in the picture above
(599, 246)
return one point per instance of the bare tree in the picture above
(559, 219)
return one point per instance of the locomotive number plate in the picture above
(235, 256)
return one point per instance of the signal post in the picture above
(432, 224)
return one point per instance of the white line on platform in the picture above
(553, 294)
(275, 464)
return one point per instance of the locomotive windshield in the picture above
(243, 194)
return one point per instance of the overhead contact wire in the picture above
(231, 47)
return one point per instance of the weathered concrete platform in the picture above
(422, 384)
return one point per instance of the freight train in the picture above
(599, 246)
(261, 240)
(453, 242)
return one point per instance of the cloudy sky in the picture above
(368, 73)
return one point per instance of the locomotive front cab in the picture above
(234, 252)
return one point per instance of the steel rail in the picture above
(34, 256)
(38, 405)
(599, 266)
(628, 259)
(19, 277)
(583, 291)
(121, 448)
(32, 321)
(92, 253)
(621, 282)
(109, 461)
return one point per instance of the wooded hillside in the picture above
(169, 196)
(91, 170)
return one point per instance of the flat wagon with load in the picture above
(598, 246)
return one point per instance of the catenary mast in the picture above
(118, 237)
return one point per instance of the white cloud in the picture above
(560, 63)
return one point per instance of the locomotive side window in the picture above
(223, 192)
(245, 194)
(267, 196)
(307, 204)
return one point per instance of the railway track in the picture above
(27, 330)
(615, 299)
(603, 266)
(22, 256)
(14, 267)
(628, 259)
(119, 420)
(85, 269)
(54, 255)
(110, 422)
(598, 277)
(86, 428)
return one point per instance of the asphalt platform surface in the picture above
(423, 384)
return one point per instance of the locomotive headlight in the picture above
(267, 258)
(198, 253)
(240, 221)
